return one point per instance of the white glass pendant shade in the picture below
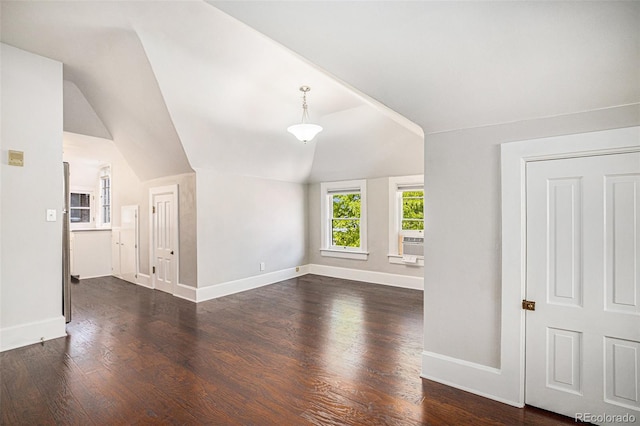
(304, 131)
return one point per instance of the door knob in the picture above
(171, 251)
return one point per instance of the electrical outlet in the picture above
(297, 269)
(262, 266)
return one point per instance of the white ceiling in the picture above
(182, 86)
(450, 65)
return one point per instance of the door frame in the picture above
(514, 159)
(173, 191)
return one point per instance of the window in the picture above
(80, 207)
(411, 209)
(344, 219)
(406, 215)
(105, 196)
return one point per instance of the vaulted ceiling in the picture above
(452, 64)
(186, 85)
(181, 86)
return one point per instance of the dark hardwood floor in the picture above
(306, 351)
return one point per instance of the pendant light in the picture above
(304, 131)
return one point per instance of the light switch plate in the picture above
(16, 158)
(51, 215)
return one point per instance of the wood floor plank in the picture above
(306, 351)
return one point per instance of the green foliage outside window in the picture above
(412, 210)
(345, 223)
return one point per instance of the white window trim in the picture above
(395, 215)
(326, 249)
(100, 223)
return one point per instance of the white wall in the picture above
(31, 280)
(377, 233)
(243, 221)
(463, 251)
(91, 251)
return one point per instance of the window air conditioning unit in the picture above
(413, 246)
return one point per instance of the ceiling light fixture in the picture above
(304, 131)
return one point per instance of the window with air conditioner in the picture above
(406, 220)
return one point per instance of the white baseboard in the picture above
(144, 280)
(468, 376)
(202, 294)
(244, 284)
(95, 276)
(186, 292)
(394, 280)
(30, 333)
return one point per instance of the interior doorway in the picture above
(164, 238)
(508, 383)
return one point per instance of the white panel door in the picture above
(583, 272)
(164, 243)
(129, 243)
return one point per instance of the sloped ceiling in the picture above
(234, 118)
(182, 85)
(450, 65)
(79, 115)
(103, 57)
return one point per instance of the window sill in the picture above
(345, 254)
(398, 260)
